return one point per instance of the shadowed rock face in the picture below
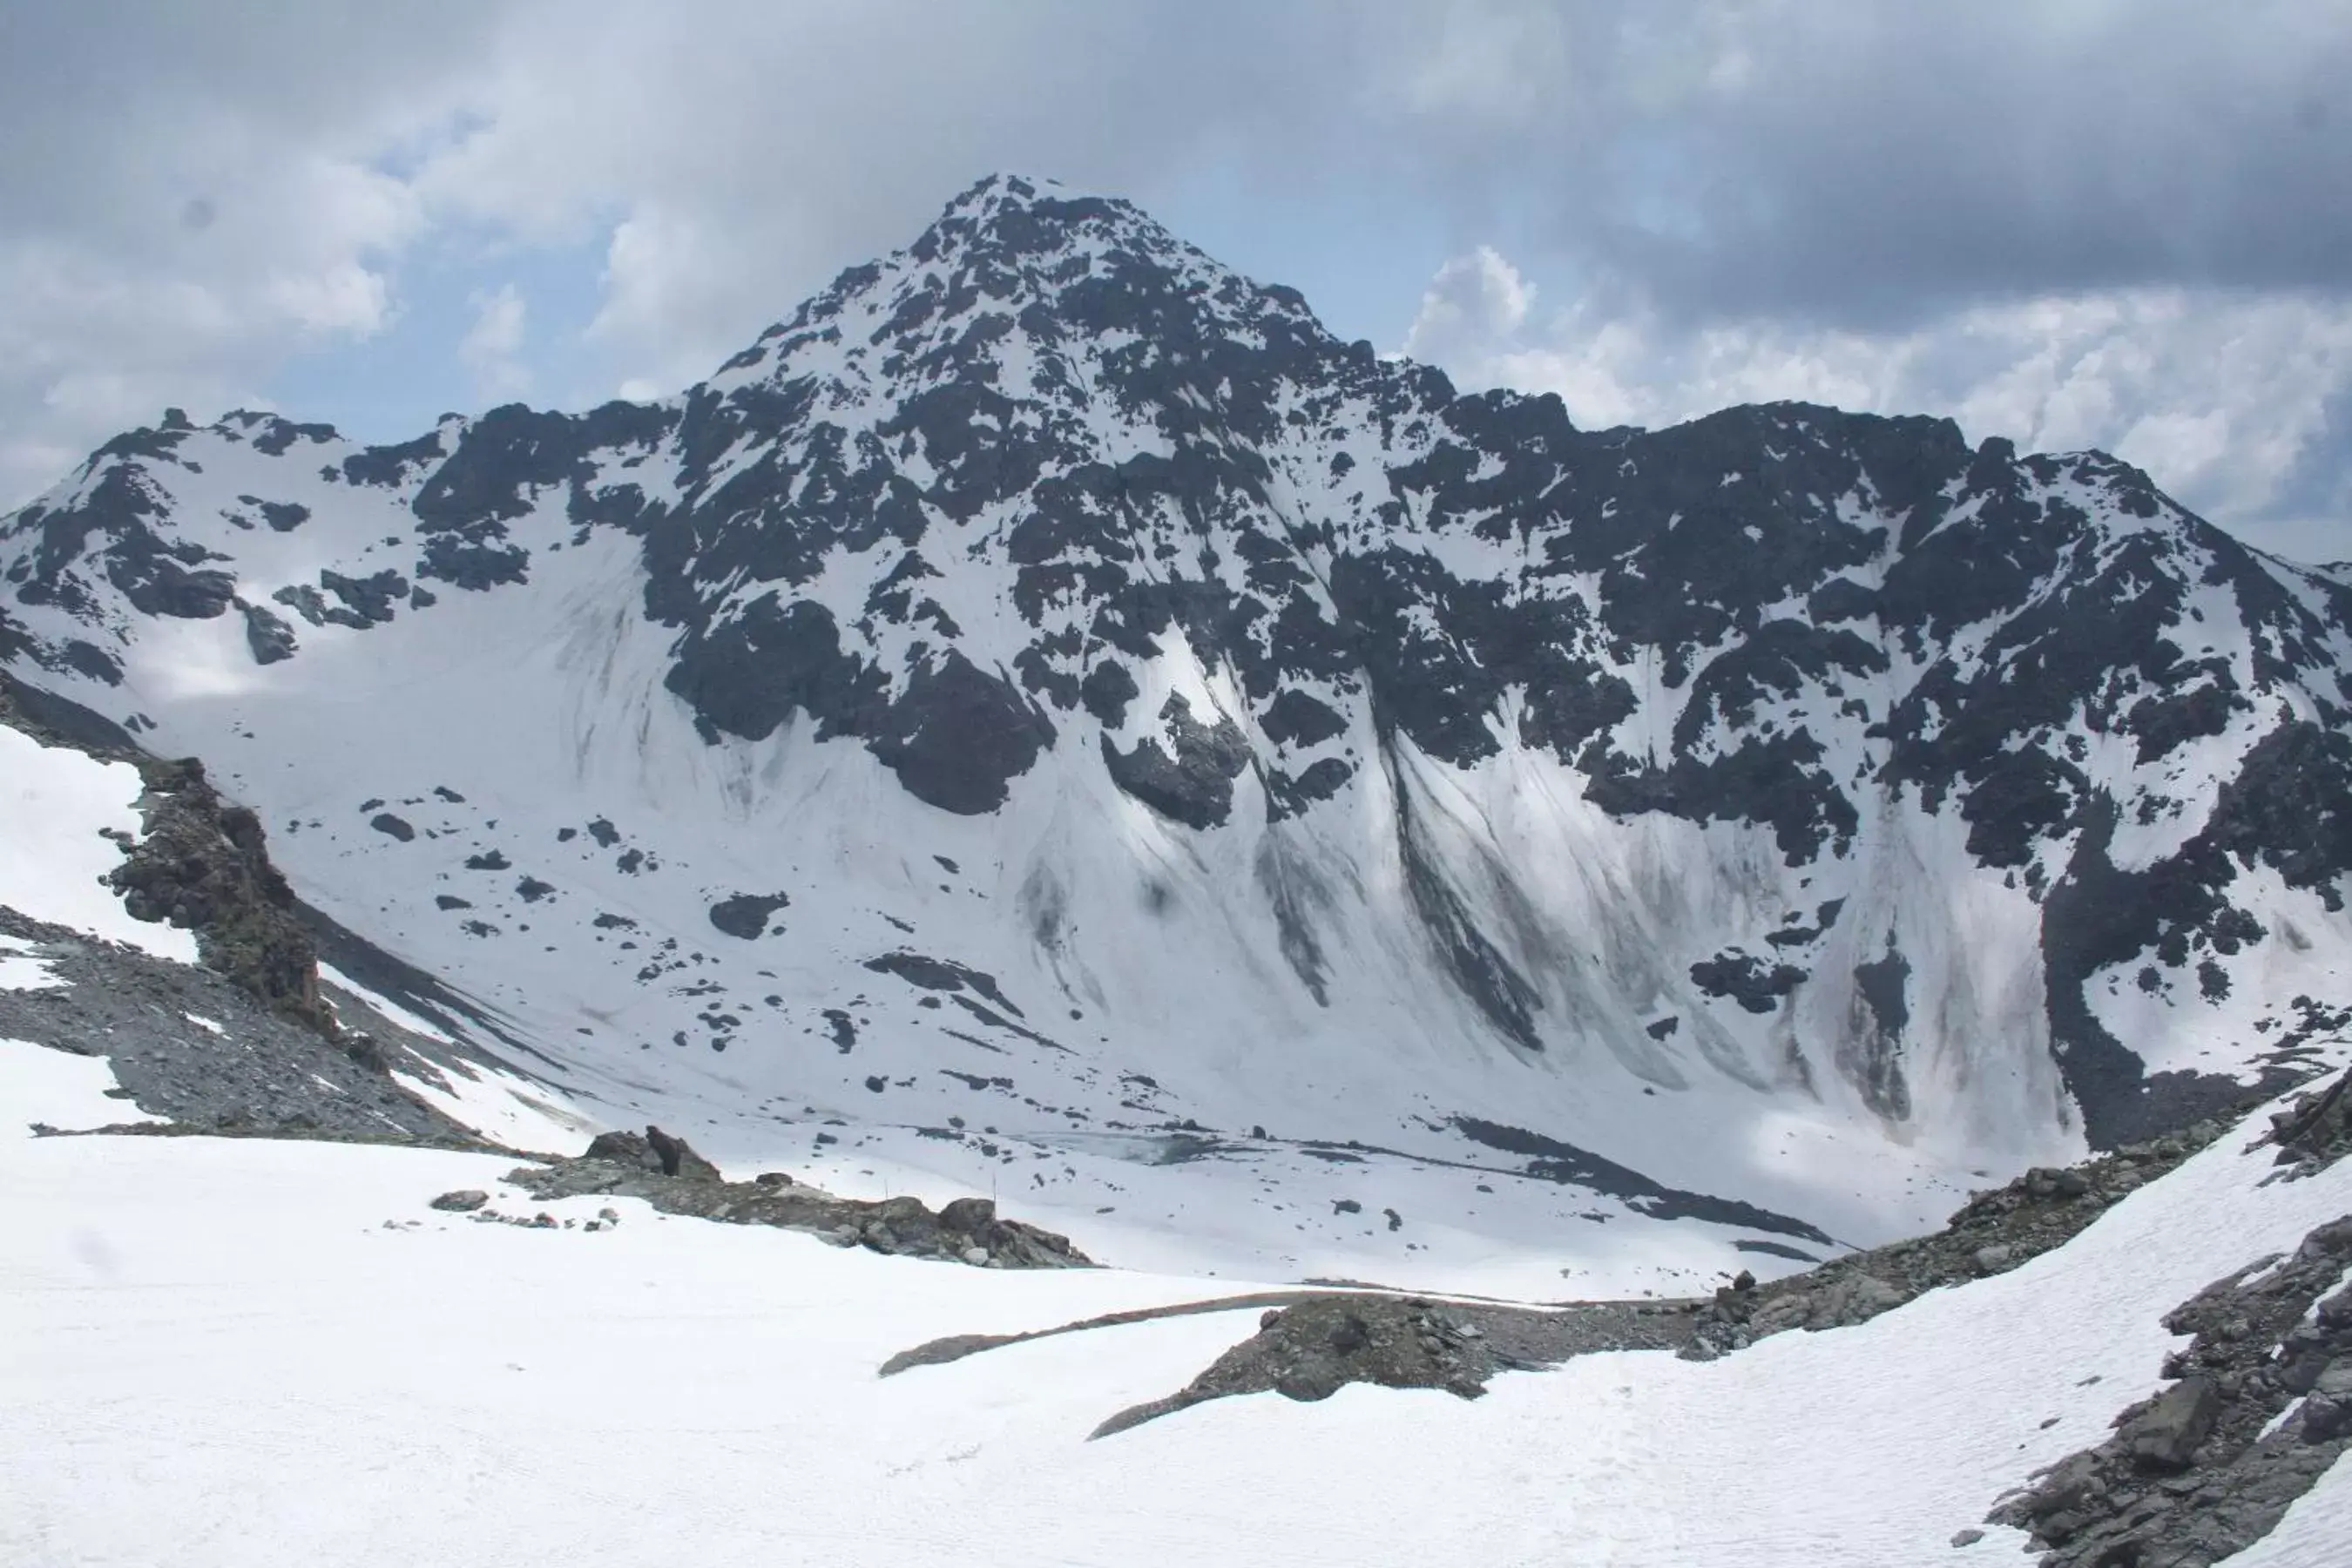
(964, 506)
(204, 865)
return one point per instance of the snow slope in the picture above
(218, 1353)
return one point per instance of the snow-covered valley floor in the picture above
(213, 1352)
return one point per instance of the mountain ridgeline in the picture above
(1816, 758)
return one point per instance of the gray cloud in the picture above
(2089, 218)
(1872, 164)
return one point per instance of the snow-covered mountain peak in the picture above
(1305, 746)
(1012, 280)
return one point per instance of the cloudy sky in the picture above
(2114, 223)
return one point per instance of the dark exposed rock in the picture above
(745, 915)
(1310, 1344)
(1189, 778)
(1756, 984)
(369, 600)
(2165, 1435)
(1296, 718)
(2316, 1131)
(464, 1200)
(269, 638)
(670, 1176)
(472, 564)
(1552, 1160)
(203, 866)
(1874, 1060)
(656, 1151)
(958, 737)
(940, 975)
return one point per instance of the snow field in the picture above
(217, 1354)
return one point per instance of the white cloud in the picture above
(1477, 305)
(491, 347)
(220, 205)
(2222, 397)
(96, 335)
(678, 297)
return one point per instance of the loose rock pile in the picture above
(473, 1203)
(247, 1071)
(667, 1174)
(2190, 1476)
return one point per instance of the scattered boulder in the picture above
(656, 1152)
(363, 1049)
(464, 1200)
(2165, 1435)
(2327, 1408)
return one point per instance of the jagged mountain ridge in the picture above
(1495, 771)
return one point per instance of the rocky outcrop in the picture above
(2261, 1406)
(2316, 1131)
(1312, 1348)
(1311, 1344)
(667, 1174)
(203, 866)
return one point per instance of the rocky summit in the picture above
(1048, 708)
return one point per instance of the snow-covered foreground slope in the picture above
(217, 1353)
